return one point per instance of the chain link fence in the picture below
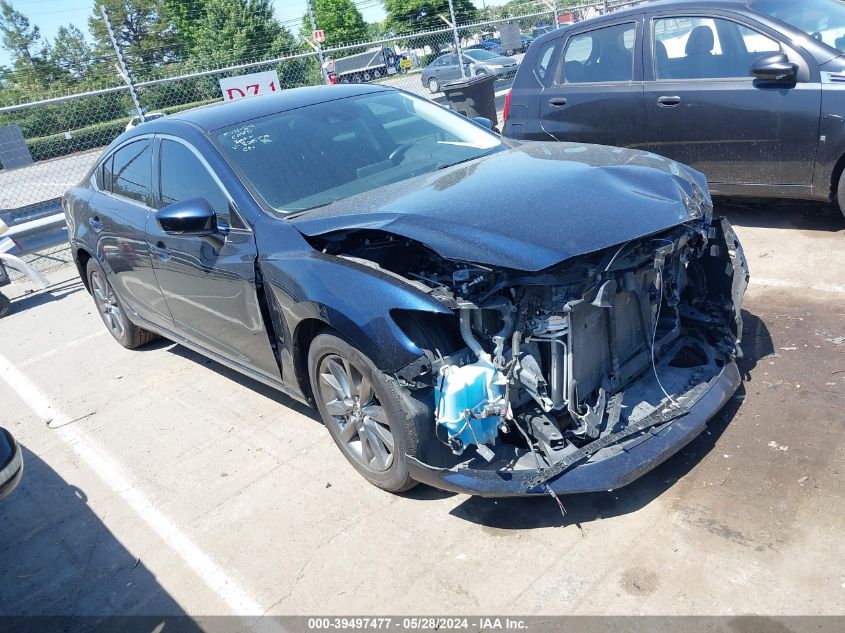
(48, 145)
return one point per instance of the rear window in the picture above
(602, 55)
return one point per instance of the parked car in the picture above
(476, 62)
(136, 120)
(752, 94)
(454, 319)
(11, 463)
(492, 44)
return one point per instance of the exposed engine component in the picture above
(555, 360)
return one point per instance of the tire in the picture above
(840, 193)
(357, 429)
(5, 306)
(112, 311)
(433, 85)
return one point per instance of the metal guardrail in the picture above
(37, 235)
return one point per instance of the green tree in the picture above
(341, 21)
(71, 53)
(186, 16)
(142, 29)
(17, 35)
(237, 31)
(405, 16)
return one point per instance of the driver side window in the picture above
(184, 176)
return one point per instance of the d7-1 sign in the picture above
(250, 85)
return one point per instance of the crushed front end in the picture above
(578, 378)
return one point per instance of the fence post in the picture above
(555, 17)
(457, 39)
(317, 45)
(122, 65)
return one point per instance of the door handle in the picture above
(668, 102)
(95, 223)
(161, 250)
(557, 102)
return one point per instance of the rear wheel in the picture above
(365, 411)
(111, 311)
(5, 305)
(840, 193)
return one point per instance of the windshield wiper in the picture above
(466, 160)
(298, 212)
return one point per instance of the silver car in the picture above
(476, 61)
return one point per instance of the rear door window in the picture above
(131, 171)
(600, 56)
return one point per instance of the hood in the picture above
(527, 208)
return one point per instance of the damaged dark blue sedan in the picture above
(482, 315)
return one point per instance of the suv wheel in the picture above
(365, 411)
(433, 85)
(840, 193)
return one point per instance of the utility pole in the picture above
(317, 45)
(121, 65)
(552, 4)
(457, 39)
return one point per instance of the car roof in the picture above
(662, 4)
(226, 113)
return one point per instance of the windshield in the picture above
(821, 19)
(479, 55)
(312, 156)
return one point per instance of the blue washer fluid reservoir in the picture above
(477, 389)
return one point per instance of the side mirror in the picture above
(483, 121)
(189, 217)
(776, 68)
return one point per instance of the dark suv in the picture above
(750, 92)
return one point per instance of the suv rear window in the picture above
(601, 55)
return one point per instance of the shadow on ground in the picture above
(58, 559)
(782, 214)
(245, 381)
(539, 512)
(55, 292)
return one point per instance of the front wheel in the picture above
(433, 85)
(365, 411)
(840, 193)
(5, 305)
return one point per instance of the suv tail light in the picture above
(507, 107)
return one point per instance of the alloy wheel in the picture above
(359, 420)
(108, 305)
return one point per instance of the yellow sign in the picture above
(405, 64)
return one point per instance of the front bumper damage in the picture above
(630, 460)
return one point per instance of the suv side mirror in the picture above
(776, 68)
(189, 217)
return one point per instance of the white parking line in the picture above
(112, 475)
(780, 283)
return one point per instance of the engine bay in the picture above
(536, 366)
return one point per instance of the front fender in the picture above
(352, 298)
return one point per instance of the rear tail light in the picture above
(507, 107)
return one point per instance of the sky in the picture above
(49, 15)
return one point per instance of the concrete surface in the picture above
(173, 485)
